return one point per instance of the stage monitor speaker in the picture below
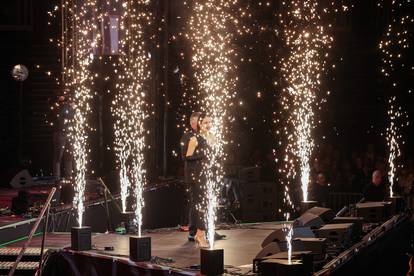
(304, 257)
(338, 233)
(21, 180)
(325, 214)
(279, 236)
(270, 249)
(309, 220)
(371, 211)
(357, 221)
(316, 245)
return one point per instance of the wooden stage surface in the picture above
(240, 246)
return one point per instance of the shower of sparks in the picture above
(211, 41)
(122, 143)
(129, 106)
(396, 41)
(307, 41)
(82, 36)
(393, 46)
(289, 235)
(129, 103)
(394, 138)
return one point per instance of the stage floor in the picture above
(240, 246)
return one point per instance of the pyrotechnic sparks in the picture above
(289, 235)
(306, 39)
(129, 105)
(396, 41)
(122, 143)
(305, 35)
(393, 46)
(80, 28)
(394, 138)
(211, 40)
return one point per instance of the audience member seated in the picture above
(375, 191)
(320, 190)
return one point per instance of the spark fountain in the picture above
(82, 87)
(211, 40)
(304, 33)
(134, 68)
(393, 47)
(78, 52)
(122, 143)
(305, 36)
(394, 139)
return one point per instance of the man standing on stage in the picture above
(185, 139)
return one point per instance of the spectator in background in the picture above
(359, 175)
(320, 190)
(375, 191)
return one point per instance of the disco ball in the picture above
(20, 72)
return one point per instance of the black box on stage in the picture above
(140, 249)
(212, 261)
(325, 214)
(305, 257)
(397, 204)
(371, 211)
(316, 245)
(336, 233)
(81, 238)
(284, 268)
(309, 220)
(357, 221)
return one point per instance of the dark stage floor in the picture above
(240, 246)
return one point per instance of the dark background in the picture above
(353, 118)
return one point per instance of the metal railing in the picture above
(29, 239)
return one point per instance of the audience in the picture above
(376, 190)
(320, 190)
(346, 171)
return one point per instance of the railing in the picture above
(29, 239)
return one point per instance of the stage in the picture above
(170, 248)
(380, 250)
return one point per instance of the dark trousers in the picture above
(195, 216)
